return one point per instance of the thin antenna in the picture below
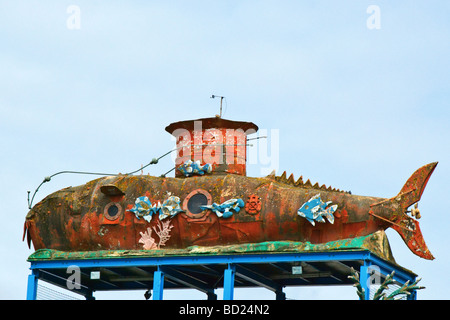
(221, 99)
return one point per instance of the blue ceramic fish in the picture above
(226, 209)
(143, 208)
(189, 168)
(315, 210)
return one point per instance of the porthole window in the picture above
(196, 201)
(193, 202)
(112, 211)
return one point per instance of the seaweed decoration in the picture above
(359, 289)
(406, 289)
(163, 233)
(147, 240)
(379, 294)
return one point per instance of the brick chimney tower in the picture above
(219, 143)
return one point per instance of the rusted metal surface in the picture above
(253, 204)
(74, 218)
(211, 202)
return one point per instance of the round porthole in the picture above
(112, 211)
(193, 202)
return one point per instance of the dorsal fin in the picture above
(291, 179)
(271, 175)
(299, 182)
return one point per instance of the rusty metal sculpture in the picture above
(218, 206)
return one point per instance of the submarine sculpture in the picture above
(211, 202)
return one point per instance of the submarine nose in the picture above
(215, 145)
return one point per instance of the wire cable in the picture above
(48, 178)
(153, 161)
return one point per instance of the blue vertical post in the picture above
(364, 279)
(90, 295)
(32, 285)
(211, 295)
(158, 284)
(412, 296)
(280, 295)
(228, 282)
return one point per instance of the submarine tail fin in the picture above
(406, 226)
(414, 187)
(409, 230)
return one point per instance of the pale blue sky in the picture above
(355, 108)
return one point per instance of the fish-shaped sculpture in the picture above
(133, 211)
(315, 210)
(190, 168)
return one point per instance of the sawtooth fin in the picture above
(299, 182)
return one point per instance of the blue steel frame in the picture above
(232, 261)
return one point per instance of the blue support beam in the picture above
(400, 275)
(90, 295)
(32, 285)
(228, 282)
(364, 279)
(386, 268)
(217, 259)
(413, 295)
(280, 295)
(177, 270)
(158, 284)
